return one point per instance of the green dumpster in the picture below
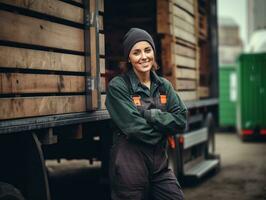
(227, 95)
(251, 101)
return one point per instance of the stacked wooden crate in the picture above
(204, 46)
(177, 24)
(44, 60)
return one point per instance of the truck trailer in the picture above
(56, 59)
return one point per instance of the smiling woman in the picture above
(146, 111)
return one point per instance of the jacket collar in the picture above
(135, 83)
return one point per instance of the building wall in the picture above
(256, 16)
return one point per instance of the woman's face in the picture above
(141, 57)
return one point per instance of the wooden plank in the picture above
(178, 22)
(102, 44)
(20, 107)
(100, 22)
(185, 5)
(190, 1)
(163, 16)
(51, 7)
(184, 51)
(186, 84)
(102, 65)
(101, 5)
(180, 33)
(183, 15)
(24, 29)
(187, 95)
(167, 55)
(185, 61)
(103, 84)
(19, 83)
(203, 92)
(12, 57)
(103, 98)
(186, 73)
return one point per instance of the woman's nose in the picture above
(143, 55)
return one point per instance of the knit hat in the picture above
(133, 36)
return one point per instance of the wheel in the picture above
(9, 192)
(209, 123)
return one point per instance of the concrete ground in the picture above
(242, 175)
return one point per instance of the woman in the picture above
(146, 110)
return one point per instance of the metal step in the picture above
(202, 168)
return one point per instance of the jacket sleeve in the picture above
(174, 120)
(126, 116)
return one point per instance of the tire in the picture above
(209, 123)
(9, 192)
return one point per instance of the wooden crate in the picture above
(42, 58)
(180, 66)
(176, 17)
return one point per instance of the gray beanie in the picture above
(133, 36)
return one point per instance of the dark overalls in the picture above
(139, 170)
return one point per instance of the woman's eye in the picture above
(148, 50)
(136, 53)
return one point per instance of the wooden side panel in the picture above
(187, 85)
(12, 57)
(183, 15)
(35, 106)
(19, 83)
(186, 73)
(24, 29)
(103, 85)
(103, 98)
(163, 16)
(185, 5)
(178, 22)
(51, 7)
(100, 22)
(102, 66)
(102, 44)
(188, 95)
(180, 33)
(184, 51)
(185, 61)
(101, 5)
(203, 92)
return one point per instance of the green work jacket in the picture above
(149, 128)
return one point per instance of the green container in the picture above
(251, 103)
(227, 95)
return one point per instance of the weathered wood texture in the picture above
(188, 95)
(32, 71)
(177, 21)
(176, 18)
(20, 83)
(12, 57)
(50, 7)
(21, 107)
(203, 92)
(179, 65)
(24, 29)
